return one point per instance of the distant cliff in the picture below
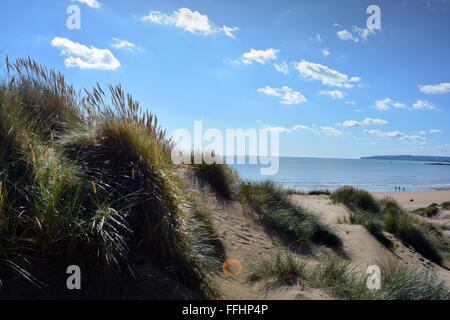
(411, 158)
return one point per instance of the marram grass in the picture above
(89, 182)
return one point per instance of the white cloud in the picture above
(434, 131)
(334, 94)
(350, 103)
(440, 88)
(84, 57)
(357, 34)
(91, 3)
(396, 135)
(317, 38)
(351, 124)
(423, 105)
(365, 122)
(374, 122)
(259, 56)
(325, 52)
(287, 95)
(282, 67)
(123, 44)
(277, 129)
(346, 35)
(330, 131)
(188, 20)
(302, 127)
(326, 75)
(388, 103)
(229, 31)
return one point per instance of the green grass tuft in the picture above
(293, 222)
(445, 205)
(356, 199)
(284, 268)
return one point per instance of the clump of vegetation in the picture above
(385, 214)
(284, 268)
(405, 229)
(398, 282)
(356, 199)
(292, 222)
(89, 183)
(319, 192)
(221, 177)
(345, 281)
(445, 205)
(430, 211)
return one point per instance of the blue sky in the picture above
(309, 69)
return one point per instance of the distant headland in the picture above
(428, 159)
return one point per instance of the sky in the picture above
(311, 70)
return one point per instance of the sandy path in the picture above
(246, 240)
(421, 199)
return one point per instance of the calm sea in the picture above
(305, 174)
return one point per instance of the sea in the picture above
(306, 174)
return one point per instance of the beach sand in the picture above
(421, 199)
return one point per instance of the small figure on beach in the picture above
(395, 188)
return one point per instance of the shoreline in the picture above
(420, 199)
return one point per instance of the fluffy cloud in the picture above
(440, 88)
(84, 57)
(229, 31)
(287, 95)
(259, 56)
(123, 44)
(434, 131)
(330, 131)
(277, 129)
(388, 103)
(396, 135)
(365, 122)
(302, 127)
(334, 94)
(325, 52)
(91, 3)
(316, 38)
(351, 124)
(282, 67)
(356, 34)
(188, 20)
(326, 75)
(374, 122)
(423, 105)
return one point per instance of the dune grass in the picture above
(344, 281)
(284, 268)
(91, 183)
(356, 199)
(220, 176)
(319, 192)
(445, 205)
(398, 282)
(386, 214)
(429, 212)
(294, 223)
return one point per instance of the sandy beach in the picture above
(420, 199)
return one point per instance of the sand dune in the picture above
(247, 240)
